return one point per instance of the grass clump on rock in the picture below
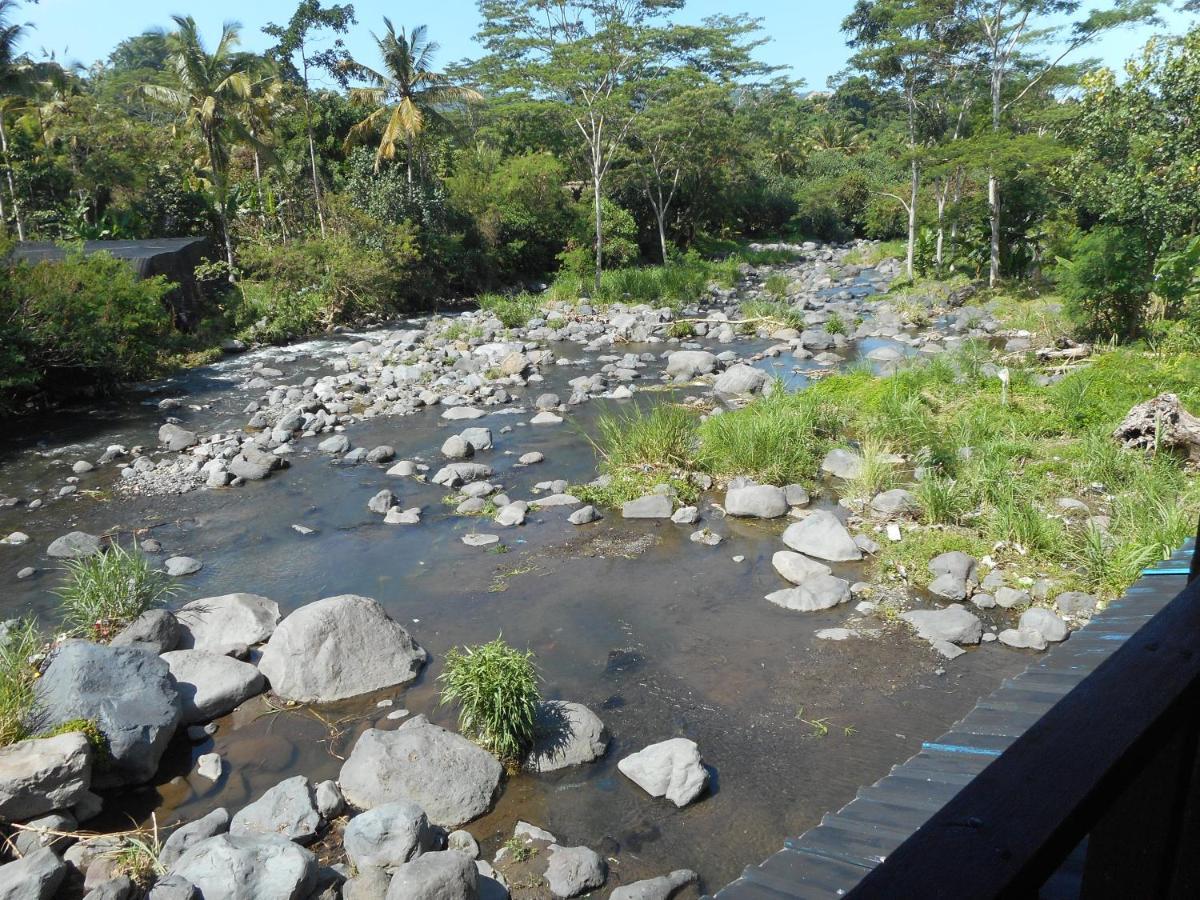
(496, 689)
(104, 593)
(513, 311)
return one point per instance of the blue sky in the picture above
(803, 34)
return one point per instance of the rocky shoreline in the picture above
(394, 817)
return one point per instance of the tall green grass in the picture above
(19, 646)
(513, 311)
(103, 593)
(773, 312)
(496, 689)
(675, 285)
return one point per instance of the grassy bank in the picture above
(992, 465)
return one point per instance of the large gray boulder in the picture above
(459, 473)
(44, 774)
(954, 624)
(652, 506)
(211, 685)
(33, 877)
(288, 809)
(339, 647)
(187, 836)
(796, 567)
(1045, 622)
(842, 463)
(822, 534)
(448, 875)
(896, 502)
(249, 867)
(661, 888)
(572, 871)
(671, 769)
(388, 836)
(176, 438)
(76, 545)
(128, 692)
(155, 629)
(740, 381)
(568, 734)
(684, 365)
(254, 463)
(954, 575)
(230, 620)
(759, 501)
(815, 593)
(449, 777)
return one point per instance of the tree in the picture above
(13, 77)
(209, 88)
(294, 41)
(405, 94)
(597, 59)
(1007, 27)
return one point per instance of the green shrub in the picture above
(772, 313)
(618, 235)
(86, 320)
(777, 284)
(1107, 283)
(20, 644)
(496, 689)
(105, 592)
(662, 438)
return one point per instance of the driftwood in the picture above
(1161, 424)
(1080, 351)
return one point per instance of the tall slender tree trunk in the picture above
(912, 216)
(993, 180)
(942, 190)
(312, 145)
(599, 235)
(262, 205)
(220, 195)
(661, 214)
(12, 187)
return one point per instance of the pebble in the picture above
(210, 766)
(480, 540)
(303, 529)
(27, 572)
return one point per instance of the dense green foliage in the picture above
(496, 689)
(103, 593)
(961, 129)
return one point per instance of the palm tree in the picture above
(405, 93)
(210, 87)
(255, 114)
(13, 75)
(834, 135)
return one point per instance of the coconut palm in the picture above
(834, 135)
(13, 76)
(256, 114)
(405, 94)
(210, 87)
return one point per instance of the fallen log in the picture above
(1161, 424)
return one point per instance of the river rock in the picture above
(454, 474)
(1011, 598)
(381, 502)
(684, 365)
(532, 458)
(572, 871)
(211, 684)
(448, 875)
(388, 836)
(842, 463)
(339, 647)
(120, 888)
(512, 514)
(455, 447)
(249, 867)
(219, 623)
(33, 877)
(1045, 623)
(128, 692)
(452, 779)
(1075, 603)
(44, 774)
(815, 593)
(179, 566)
(478, 438)
(287, 809)
(740, 381)
(671, 769)
(652, 506)
(172, 887)
(822, 534)
(252, 464)
(1022, 639)
(954, 624)
(568, 734)
(585, 515)
(76, 545)
(954, 575)
(896, 502)
(176, 438)
(458, 413)
(210, 766)
(661, 888)
(335, 445)
(155, 629)
(192, 833)
(367, 884)
(796, 567)
(760, 501)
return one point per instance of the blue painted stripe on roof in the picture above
(1165, 571)
(959, 748)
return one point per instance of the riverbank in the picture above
(440, 467)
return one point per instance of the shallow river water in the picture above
(660, 636)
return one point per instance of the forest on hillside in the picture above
(588, 137)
